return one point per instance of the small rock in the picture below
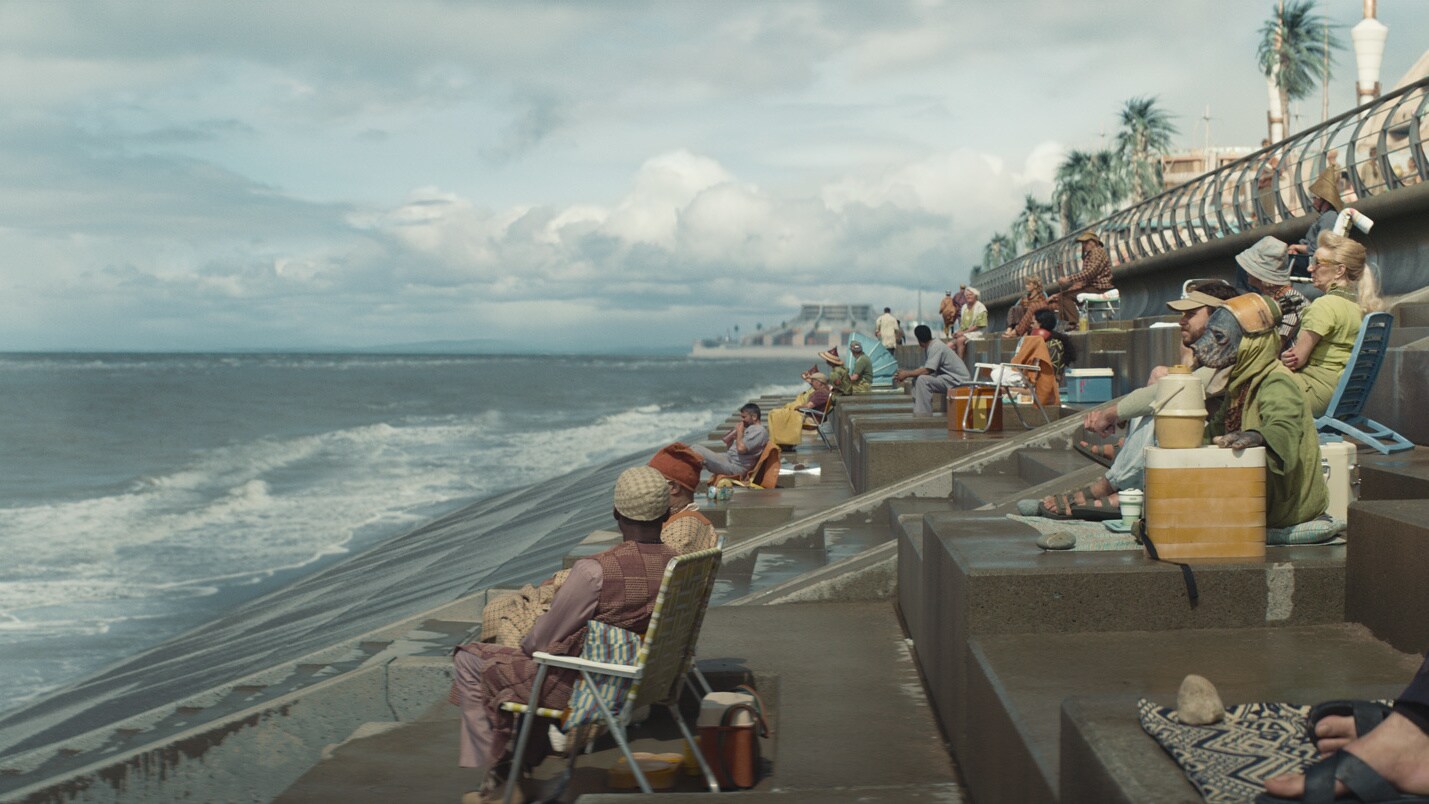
(1198, 703)
(1057, 540)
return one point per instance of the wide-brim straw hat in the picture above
(1266, 261)
(1088, 235)
(1327, 186)
(832, 356)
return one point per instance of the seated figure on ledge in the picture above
(942, 370)
(616, 587)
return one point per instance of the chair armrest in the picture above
(1021, 367)
(577, 663)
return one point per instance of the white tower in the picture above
(1368, 36)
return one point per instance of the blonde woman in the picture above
(1330, 325)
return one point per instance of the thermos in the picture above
(1180, 410)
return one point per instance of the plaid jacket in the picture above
(1095, 276)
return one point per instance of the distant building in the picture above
(816, 328)
(1179, 167)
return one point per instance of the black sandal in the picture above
(1365, 783)
(1367, 715)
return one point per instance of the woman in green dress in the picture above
(1331, 324)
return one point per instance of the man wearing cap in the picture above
(1127, 470)
(1095, 277)
(687, 530)
(942, 370)
(743, 445)
(860, 377)
(1326, 201)
(885, 328)
(948, 309)
(1267, 271)
(617, 587)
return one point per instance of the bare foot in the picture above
(1333, 733)
(1397, 749)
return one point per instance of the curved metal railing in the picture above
(1382, 144)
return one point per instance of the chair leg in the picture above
(617, 730)
(524, 734)
(694, 749)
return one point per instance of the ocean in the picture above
(143, 495)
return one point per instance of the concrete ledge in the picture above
(1384, 583)
(987, 577)
(1019, 755)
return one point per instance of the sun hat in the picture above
(641, 494)
(1088, 235)
(1266, 261)
(1327, 186)
(820, 376)
(679, 464)
(832, 356)
(1195, 300)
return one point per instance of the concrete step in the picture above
(1411, 314)
(1037, 466)
(842, 542)
(1400, 336)
(1016, 701)
(981, 574)
(775, 565)
(1385, 571)
(972, 491)
(903, 508)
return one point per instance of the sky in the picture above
(562, 175)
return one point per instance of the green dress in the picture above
(863, 367)
(1336, 318)
(1273, 405)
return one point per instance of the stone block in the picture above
(989, 578)
(1385, 572)
(879, 458)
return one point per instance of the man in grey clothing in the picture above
(745, 443)
(942, 370)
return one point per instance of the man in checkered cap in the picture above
(616, 587)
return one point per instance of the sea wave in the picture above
(248, 511)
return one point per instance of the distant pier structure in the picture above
(816, 328)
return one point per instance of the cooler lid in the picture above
(1089, 372)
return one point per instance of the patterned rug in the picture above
(1230, 761)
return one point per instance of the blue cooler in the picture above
(1087, 385)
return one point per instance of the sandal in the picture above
(1365, 783)
(1102, 453)
(1367, 715)
(1079, 504)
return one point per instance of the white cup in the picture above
(1131, 501)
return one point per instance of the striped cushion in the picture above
(609, 645)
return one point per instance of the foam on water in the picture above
(148, 554)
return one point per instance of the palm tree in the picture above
(1296, 46)
(1144, 137)
(1087, 185)
(1033, 226)
(998, 250)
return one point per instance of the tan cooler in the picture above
(1207, 502)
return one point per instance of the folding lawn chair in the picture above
(1345, 413)
(657, 675)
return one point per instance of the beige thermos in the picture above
(1180, 410)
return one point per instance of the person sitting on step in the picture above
(1330, 326)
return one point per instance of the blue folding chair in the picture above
(1345, 413)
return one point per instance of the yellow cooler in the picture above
(1207, 502)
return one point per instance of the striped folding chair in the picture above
(656, 676)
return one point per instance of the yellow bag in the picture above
(786, 427)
